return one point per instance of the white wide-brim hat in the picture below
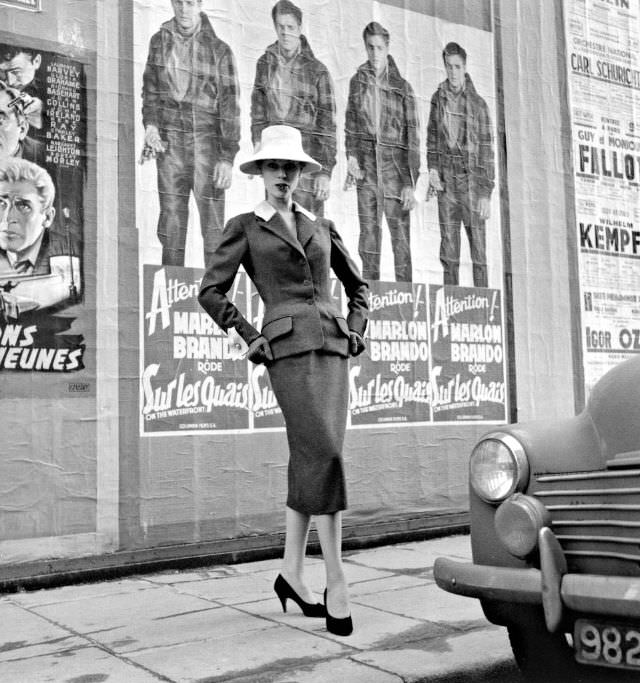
(279, 142)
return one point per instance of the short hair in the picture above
(15, 170)
(286, 7)
(451, 49)
(375, 29)
(8, 52)
(17, 101)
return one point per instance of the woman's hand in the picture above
(259, 351)
(356, 343)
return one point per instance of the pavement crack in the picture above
(182, 614)
(94, 643)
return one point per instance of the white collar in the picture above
(265, 211)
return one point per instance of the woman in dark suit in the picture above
(305, 343)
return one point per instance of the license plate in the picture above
(607, 644)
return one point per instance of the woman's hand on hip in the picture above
(259, 351)
(356, 343)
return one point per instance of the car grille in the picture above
(596, 518)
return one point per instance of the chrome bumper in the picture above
(550, 586)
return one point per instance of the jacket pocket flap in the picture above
(278, 327)
(342, 324)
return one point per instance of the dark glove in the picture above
(356, 343)
(259, 351)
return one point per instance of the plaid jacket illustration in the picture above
(213, 95)
(397, 135)
(313, 106)
(478, 150)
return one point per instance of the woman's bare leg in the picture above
(295, 547)
(330, 534)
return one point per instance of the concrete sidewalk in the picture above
(224, 623)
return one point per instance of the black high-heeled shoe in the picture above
(284, 591)
(339, 627)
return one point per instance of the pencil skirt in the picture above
(313, 393)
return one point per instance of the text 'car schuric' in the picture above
(555, 536)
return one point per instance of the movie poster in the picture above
(468, 354)
(193, 377)
(390, 381)
(43, 317)
(603, 65)
(413, 194)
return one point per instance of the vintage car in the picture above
(555, 536)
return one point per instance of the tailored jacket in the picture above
(478, 145)
(214, 94)
(292, 278)
(395, 143)
(313, 104)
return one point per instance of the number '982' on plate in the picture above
(607, 644)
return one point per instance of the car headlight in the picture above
(518, 522)
(498, 467)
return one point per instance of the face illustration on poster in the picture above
(13, 128)
(456, 69)
(187, 13)
(16, 109)
(377, 50)
(19, 67)
(25, 213)
(288, 31)
(37, 269)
